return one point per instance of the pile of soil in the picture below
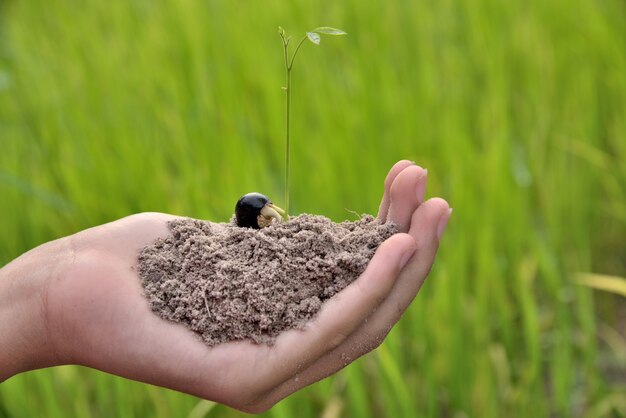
(229, 283)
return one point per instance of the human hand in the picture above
(91, 310)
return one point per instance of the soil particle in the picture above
(228, 283)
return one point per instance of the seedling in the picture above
(255, 210)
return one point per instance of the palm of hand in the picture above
(98, 317)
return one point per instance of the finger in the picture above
(342, 314)
(407, 192)
(393, 173)
(426, 226)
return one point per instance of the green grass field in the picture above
(517, 108)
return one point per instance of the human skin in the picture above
(78, 300)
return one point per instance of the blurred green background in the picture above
(517, 108)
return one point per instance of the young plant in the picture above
(313, 36)
(255, 210)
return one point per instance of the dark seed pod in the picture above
(255, 210)
(248, 209)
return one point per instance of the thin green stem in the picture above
(287, 138)
(293, 57)
(287, 121)
(288, 67)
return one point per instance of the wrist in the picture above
(26, 342)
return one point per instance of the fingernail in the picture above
(406, 257)
(421, 187)
(443, 222)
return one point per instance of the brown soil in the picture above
(229, 283)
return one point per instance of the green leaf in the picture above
(329, 31)
(613, 284)
(313, 37)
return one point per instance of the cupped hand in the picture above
(96, 315)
